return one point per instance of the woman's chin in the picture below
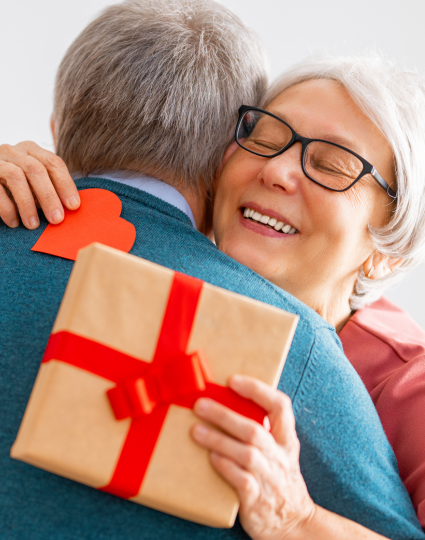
(249, 256)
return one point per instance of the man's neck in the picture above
(196, 199)
(190, 202)
(198, 204)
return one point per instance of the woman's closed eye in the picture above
(255, 142)
(337, 168)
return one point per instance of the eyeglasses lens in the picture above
(324, 162)
(331, 166)
(262, 134)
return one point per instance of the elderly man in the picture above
(144, 107)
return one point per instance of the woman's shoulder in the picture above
(384, 323)
(387, 349)
(383, 343)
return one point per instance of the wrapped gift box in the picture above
(133, 346)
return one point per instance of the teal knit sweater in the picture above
(346, 460)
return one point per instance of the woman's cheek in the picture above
(221, 220)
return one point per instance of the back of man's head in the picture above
(154, 86)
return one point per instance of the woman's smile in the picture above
(265, 221)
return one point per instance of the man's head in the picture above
(154, 86)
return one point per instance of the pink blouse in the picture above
(387, 349)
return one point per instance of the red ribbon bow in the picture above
(144, 391)
(182, 376)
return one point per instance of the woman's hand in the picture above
(262, 466)
(30, 175)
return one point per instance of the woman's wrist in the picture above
(307, 528)
(322, 524)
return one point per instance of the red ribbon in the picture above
(144, 391)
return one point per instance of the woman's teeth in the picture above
(273, 223)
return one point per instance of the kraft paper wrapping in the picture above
(119, 300)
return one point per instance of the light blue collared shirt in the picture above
(155, 187)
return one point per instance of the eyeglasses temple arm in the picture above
(382, 183)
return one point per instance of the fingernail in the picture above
(57, 216)
(34, 223)
(200, 431)
(15, 223)
(235, 380)
(202, 405)
(73, 202)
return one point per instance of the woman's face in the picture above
(331, 243)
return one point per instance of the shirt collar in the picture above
(155, 187)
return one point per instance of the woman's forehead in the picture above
(318, 102)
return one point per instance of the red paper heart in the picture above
(97, 220)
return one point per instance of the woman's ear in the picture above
(377, 265)
(227, 155)
(52, 129)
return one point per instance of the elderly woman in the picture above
(322, 193)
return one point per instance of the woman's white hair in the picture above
(394, 99)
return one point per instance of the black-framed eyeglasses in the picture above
(328, 164)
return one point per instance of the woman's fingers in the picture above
(58, 173)
(260, 392)
(236, 425)
(28, 170)
(31, 173)
(247, 456)
(262, 466)
(14, 178)
(243, 481)
(8, 212)
(277, 405)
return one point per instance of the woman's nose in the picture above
(284, 172)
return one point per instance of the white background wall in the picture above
(34, 35)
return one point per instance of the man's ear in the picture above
(52, 128)
(377, 265)
(227, 155)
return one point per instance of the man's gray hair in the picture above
(155, 86)
(394, 99)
